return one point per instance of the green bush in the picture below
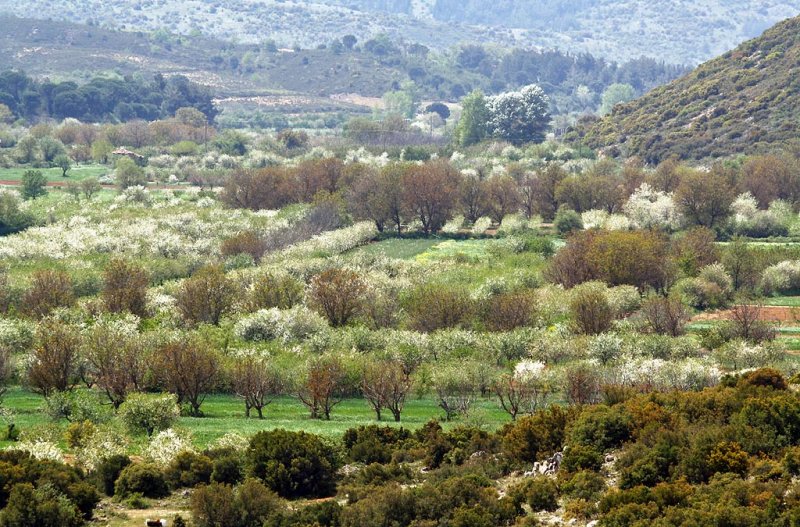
(251, 504)
(227, 469)
(149, 413)
(540, 493)
(373, 444)
(581, 457)
(293, 464)
(108, 470)
(601, 427)
(142, 478)
(584, 485)
(189, 470)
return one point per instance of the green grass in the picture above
(225, 413)
(468, 250)
(783, 301)
(404, 249)
(77, 173)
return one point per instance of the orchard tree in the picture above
(188, 369)
(256, 380)
(206, 296)
(431, 193)
(472, 127)
(117, 357)
(125, 288)
(504, 197)
(128, 174)
(54, 360)
(474, 197)
(338, 294)
(321, 385)
(520, 117)
(385, 385)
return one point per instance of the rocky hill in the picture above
(745, 101)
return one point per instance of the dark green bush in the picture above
(540, 493)
(293, 464)
(189, 470)
(581, 457)
(108, 471)
(601, 427)
(145, 479)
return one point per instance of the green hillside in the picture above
(745, 101)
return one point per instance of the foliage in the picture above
(149, 413)
(293, 464)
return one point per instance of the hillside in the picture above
(742, 102)
(311, 81)
(676, 31)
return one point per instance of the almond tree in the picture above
(206, 296)
(118, 359)
(256, 381)
(54, 360)
(321, 387)
(385, 385)
(338, 294)
(125, 288)
(431, 192)
(189, 370)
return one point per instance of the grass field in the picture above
(77, 173)
(405, 249)
(783, 301)
(225, 413)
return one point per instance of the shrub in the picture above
(293, 464)
(246, 242)
(108, 471)
(249, 505)
(540, 493)
(33, 184)
(373, 444)
(584, 485)
(591, 312)
(45, 506)
(432, 306)
(142, 478)
(601, 427)
(338, 294)
(54, 359)
(508, 311)
(288, 325)
(227, 469)
(189, 469)
(567, 221)
(764, 377)
(278, 291)
(533, 437)
(581, 457)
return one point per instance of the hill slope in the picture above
(745, 101)
(676, 31)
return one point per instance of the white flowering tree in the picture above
(648, 208)
(520, 116)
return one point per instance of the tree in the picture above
(519, 117)
(665, 315)
(441, 109)
(125, 288)
(455, 388)
(472, 127)
(117, 358)
(504, 197)
(49, 290)
(432, 306)
(377, 196)
(385, 385)
(63, 162)
(189, 370)
(338, 294)
(474, 197)
(128, 174)
(12, 217)
(320, 388)
(206, 296)
(614, 95)
(54, 360)
(101, 149)
(704, 198)
(256, 380)
(349, 41)
(90, 186)
(509, 311)
(431, 193)
(591, 312)
(33, 184)
(149, 413)
(272, 290)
